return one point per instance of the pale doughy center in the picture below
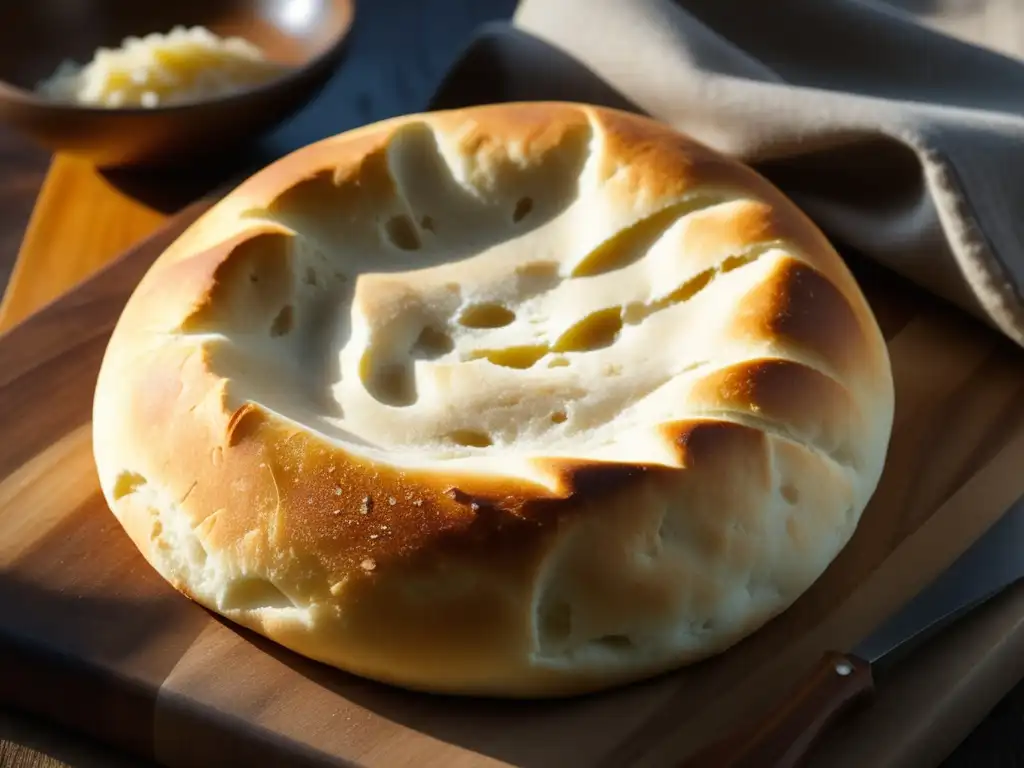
(481, 314)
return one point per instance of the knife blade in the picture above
(842, 681)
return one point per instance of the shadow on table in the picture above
(25, 735)
(523, 733)
(89, 652)
(171, 189)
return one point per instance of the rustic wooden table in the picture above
(398, 51)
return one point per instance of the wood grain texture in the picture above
(96, 222)
(26, 742)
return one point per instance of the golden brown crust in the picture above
(296, 428)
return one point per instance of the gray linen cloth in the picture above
(904, 144)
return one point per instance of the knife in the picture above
(841, 682)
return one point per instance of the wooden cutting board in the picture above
(91, 637)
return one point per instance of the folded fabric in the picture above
(904, 144)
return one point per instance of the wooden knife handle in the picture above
(785, 735)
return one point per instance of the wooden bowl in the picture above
(37, 35)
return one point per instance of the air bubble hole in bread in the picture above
(519, 400)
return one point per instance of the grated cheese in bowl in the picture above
(156, 70)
